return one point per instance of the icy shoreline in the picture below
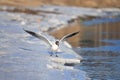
(27, 58)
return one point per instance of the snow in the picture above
(23, 57)
(66, 13)
(81, 11)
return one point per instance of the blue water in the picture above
(101, 63)
(101, 21)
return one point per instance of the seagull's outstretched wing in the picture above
(39, 36)
(69, 35)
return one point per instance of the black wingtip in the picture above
(73, 34)
(25, 30)
(30, 32)
(78, 32)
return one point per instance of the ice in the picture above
(46, 20)
(81, 11)
(23, 57)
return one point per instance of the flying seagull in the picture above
(54, 46)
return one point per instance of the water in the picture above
(101, 63)
(101, 21)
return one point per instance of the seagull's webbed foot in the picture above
(51, 53)
(56, 55)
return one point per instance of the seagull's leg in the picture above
(51, 53)
(56, 54)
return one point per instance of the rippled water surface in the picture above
(101, 64)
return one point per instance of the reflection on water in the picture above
(100, 64)
(100, 49)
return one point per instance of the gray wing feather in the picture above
(39, 37)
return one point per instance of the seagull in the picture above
(54, 46)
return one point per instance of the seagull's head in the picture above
(57, 42)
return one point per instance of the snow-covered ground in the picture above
(80, 11)
(59, 16)
(25, 57)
